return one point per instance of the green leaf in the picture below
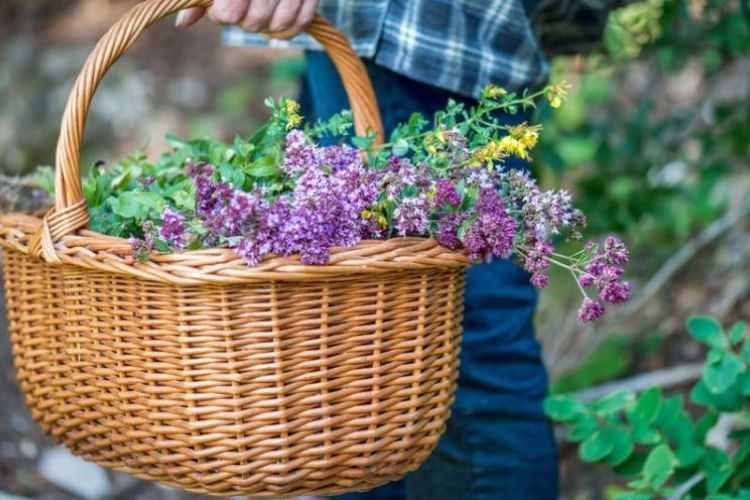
(185, 200)
(217, 153)
(564, 408)
(707, 330)
(364, 143)
(659, 466)
(722, 370)
(632, 466)
(232, 175)
(646, 435)
(598, 445)
(648, 407)
(670, 409)
(730, 400)
(622, 450)
(688, 455)
(679, 430)
(715, 481)
(175, 141)
(630, 495)
(401, 147)
(614, 402)
(263, 167)
(737, 332)
(122, 181)
(97, 188)
(162, 246)
(581, 431)
(703, 426)
(717, 467)
(137, 205)
(44, 177)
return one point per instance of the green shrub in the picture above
(661, 446)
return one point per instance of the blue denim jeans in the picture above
(498, 444)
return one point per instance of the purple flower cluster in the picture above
(412, 215)
(300, 155)
(447, 234)
(604, 272)
(590, 310)
(173, 229)
(545, 213)
(142, 247)
(446, 194)
(494, 230)
(322, 211)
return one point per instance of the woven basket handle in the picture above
(70, 213)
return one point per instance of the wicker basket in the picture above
(200, 372)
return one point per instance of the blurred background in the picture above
(654, 144)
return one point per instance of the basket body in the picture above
(200, 372)
(265, 389)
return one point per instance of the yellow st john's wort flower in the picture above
(493, 92)
(557, 94)
(293, 119)
(520, 139)
(527, 134)
(514, 146)
(382, 221)
(493, 150)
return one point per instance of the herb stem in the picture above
(527, 100)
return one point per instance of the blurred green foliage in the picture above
(662, 448)
(657, 129)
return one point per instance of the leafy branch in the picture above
(656, 443)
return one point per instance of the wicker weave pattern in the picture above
(268, 390)
(200, 372)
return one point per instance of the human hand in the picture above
(279, 18)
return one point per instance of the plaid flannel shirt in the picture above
(459, 45)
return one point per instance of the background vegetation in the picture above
(654, 143)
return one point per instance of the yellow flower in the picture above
(493, 92)
(530, 136)
(522, 138)
(293, 119)
(494, 150)
(431, 193)
(514, 146)
(382, 222)
(291, 106)
(366, 214)
(556, 94)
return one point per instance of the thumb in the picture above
(188, 17)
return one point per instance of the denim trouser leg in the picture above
(498, 444)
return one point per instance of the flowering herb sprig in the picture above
(281, 193)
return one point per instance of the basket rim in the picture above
(92, 250)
